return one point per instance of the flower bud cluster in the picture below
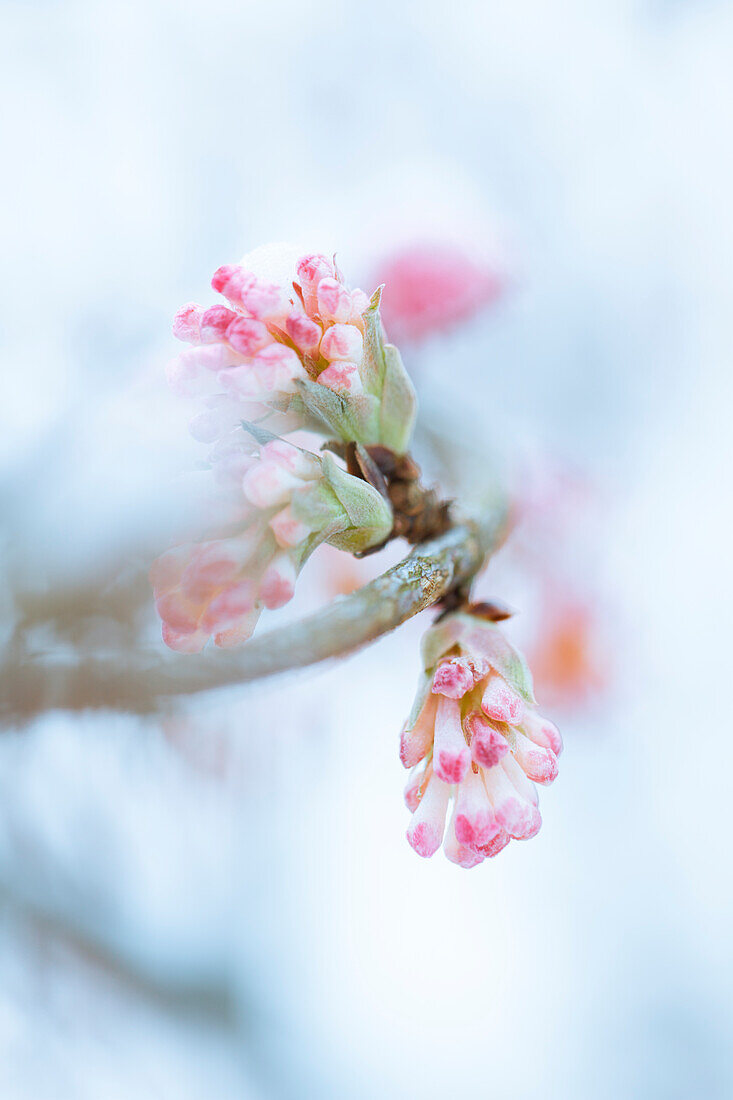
(270, 336)
(475, 739)
(220, 586)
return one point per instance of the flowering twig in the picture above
(138, 681)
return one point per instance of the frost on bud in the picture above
(475, 727)
(304, 332)
(334, 301)
(341, 377)
(187, 323)
(342, 342)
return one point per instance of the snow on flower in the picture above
(474, 739)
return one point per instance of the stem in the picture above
(140, 680)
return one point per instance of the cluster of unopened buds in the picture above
(295, 356)
(294, 350)
(474, 737)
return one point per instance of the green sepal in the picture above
(369, 514)
(373, 363)
(479, 638)
(398, 403)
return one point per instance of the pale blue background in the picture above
(163, 935)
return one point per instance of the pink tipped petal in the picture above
(501, 702)
(416, 742)
(475, 821)
(214, 324)
(187, 323)
(425, 832)
(537, 763)
(457, 852)
(247, 336)
(451, 754)
(342, 342)
(496, 845)
(232, 281)
(542, 732)
(453, 678)
(334, 300)
(304, 332)
(278, 582)
(312, 268)
(488, 745)
(341, 377)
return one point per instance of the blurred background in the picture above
(219, 901)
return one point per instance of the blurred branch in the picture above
(139, 681)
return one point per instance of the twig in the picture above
(139, 681)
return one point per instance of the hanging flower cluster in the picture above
(474, 737)
(293, 350)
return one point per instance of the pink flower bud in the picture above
(269, 484)
(179, 613)
(453, 677)
(312, 268)
(214, 324)
(304, 332)
(292, 458)
(501, 702)
(247, 336)
(342, 342)
(359, 306)
(425, 832)
(226, 610)
(288, 530)
(415, 742)
(475, 821)
(488, 745)
(542, 732)
(451, 754)
(265, 301)
(187, 323)
(233, 282)
(537, 763)
(341, 377)
(278, 582)
(515, 814)
(461, 854)
(334, 300)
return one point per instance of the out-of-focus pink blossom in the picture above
(431, 286)
(474, 739)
